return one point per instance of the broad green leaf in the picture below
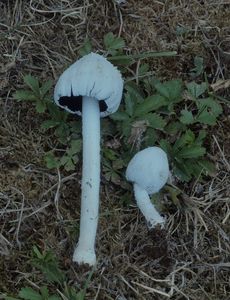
(37, 252)
(10, 298)
(49, 124)
(135, 92)
(181, 173)
(112, 42)
(75, 146)
(151, 103)
(54, 297)
(80, 295)
(165, 145)
(192, 151)
(208, 166)
(174, 127)
(206, 118)
(119, 116)
(67, 162)
(40, 106)
(214, 107)
(202, 134)
(86, 48)
(45, 88)
(199, 66)
(121, 60)
(51, 161)
(154, 120)
(195, 89)
(143, 55)
(129, 104)
(24, 95)
(28, 293)
(44, 292)
(33, 83)
(186, 117)
(171, 90)
(187, 138)
(143, 69)
(52, 273)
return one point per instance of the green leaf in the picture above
(40, 106)
(195, 89)
(10, 298)
(75, 146)
(171, 90)
(120, 60)
(86, 48)
(199, 66)
(49, 124)
(135, 92)
(29, 294)
(37, 252)
(45, 88)
(174, 127)
(24, 95)
(33, 83)
(44, 292)
(69, 161)
(112, 42)
(193, 151)
(186, 117)
(54, 297)
(209, 110)
(129, 104)
(206, 118)
(151, 103)
(143, 55)
(165, 145)
(208, 166)
(187, 138)
(154, 120)
(143, 69)
(51, 161)
(119, 116)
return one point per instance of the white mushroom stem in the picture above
(147, 208)
(84, 252)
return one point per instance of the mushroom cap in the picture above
(93, 76)
(149, 169)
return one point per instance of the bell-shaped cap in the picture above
(93, 76)
(149, 169)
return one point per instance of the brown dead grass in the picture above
(42, 38)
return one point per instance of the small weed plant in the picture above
(55, 279)
(173, 114)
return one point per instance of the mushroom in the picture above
(148, 170)
(91, 87)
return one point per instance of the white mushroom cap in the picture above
(93, 76)
(149, 169)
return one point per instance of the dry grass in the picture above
(42, 37)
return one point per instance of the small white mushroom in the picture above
(91, 87)
(148, 170)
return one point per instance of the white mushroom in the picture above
(148, 170)
(91, 87)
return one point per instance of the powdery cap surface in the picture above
(93, 76)
(149, 169)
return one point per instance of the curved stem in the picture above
(85, 249)
(147, 208)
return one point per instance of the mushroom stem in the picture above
(85, 249)
(147, 208)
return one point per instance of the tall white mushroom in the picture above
(148, 170)
(91, 87)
